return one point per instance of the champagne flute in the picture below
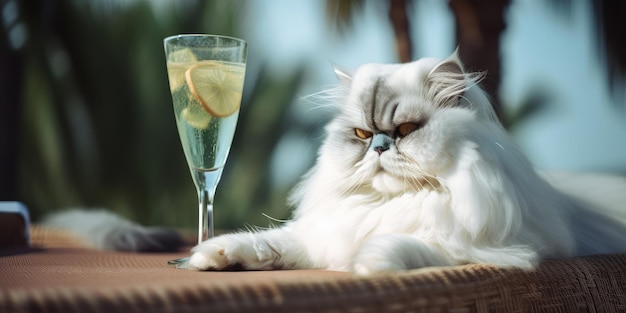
(206, 76)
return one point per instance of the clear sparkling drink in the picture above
(206, 97)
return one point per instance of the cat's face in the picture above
(400, 125)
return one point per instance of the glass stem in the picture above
(205, 215)
(206, 182)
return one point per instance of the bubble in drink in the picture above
(206, 96)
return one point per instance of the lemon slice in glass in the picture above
(196, 117)
(217, 86)
(177, 64)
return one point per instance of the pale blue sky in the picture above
(580, 131)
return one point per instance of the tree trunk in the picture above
(479, 24)
(400, 22)
(610, 24)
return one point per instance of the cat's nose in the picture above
(381, 142)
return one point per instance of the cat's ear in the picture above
(447, 81)
(451, 65)
(343, 75)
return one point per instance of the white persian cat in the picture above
(416, 171)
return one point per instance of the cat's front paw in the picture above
(208, 256)
(250, 251)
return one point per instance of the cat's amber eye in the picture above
(363, 134)
(407, 128)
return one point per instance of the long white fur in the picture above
(456, 191)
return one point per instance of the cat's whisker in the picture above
(253, 228)
(356, 181)
(361, 177)
(273, 219)
(417, 178)
(416, 182)
(415, 172)
(328, 98)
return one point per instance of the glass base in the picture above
(181, 263)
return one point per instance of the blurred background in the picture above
(86, 118)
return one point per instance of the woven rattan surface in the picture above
(79, 279)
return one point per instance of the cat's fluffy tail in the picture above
(599, 221)
(105, 230)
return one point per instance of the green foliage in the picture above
(99, 128)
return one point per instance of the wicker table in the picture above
(59, 275)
